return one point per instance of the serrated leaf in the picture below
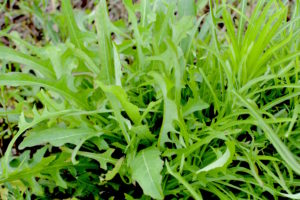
(38, 156)
(56, 136)
(170, 110)
(54, 169)
(55, 174)
(146, 168)
(24, 125)
(112, 173)
(42, 168)
(27, 172)
(37, 118)
(102, 158)
(9, 54)
(20, 79)
(37, 189)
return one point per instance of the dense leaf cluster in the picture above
(185, 99)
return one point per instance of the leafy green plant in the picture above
(177, 102)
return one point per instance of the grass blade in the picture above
(281, 148)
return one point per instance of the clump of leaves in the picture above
(177, 102)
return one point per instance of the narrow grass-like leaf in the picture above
(196, 195)
(281, 148)
(291, 196)
(221, 162)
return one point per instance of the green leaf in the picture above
(53, 170)
(118, 67)
(23, 170)
(138, 39)
(20, 79)
(102, 158)
(55, 174)
(170, 110)
(54, 53)
(281, 148)
(160, 80)
(105, 44)
(27, 172)
(186, 8)
(31, 62)
(181, 28)
(146, 169)
(222, 161)
(194, 104)
(118, 92)
(195, 194)
(24, 125)
(84, 57)
(73, 30)
(112, 173)
(291, 196)
(56, 136)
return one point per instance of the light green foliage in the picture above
(222, 161)
(185, 99)
(56, 136)
(146, 168)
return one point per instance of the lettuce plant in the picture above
(185, 99)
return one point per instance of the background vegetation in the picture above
(150, 99)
